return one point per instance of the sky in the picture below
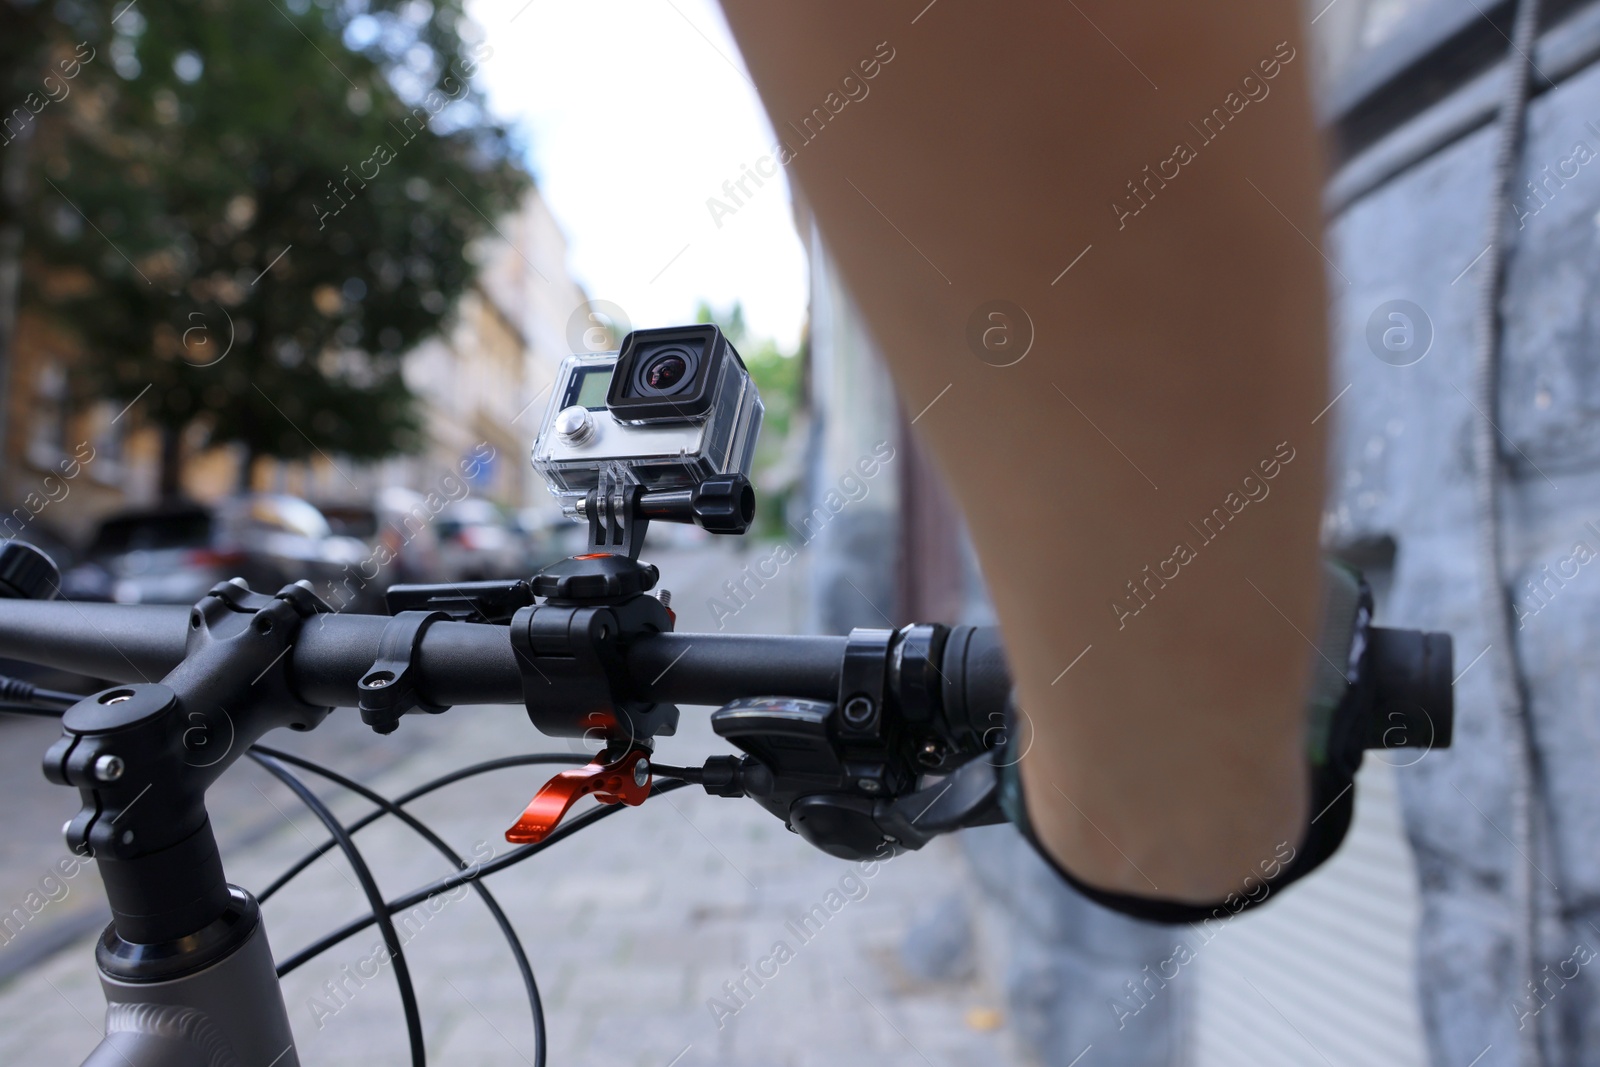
(635, 113)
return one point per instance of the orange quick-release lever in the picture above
(624, 781)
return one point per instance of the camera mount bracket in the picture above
(612, 511)
(620, 514)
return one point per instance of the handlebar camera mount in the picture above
(594, 606)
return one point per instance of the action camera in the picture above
(672, 408)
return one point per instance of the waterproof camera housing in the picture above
(672, 408)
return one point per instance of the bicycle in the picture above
(882, 738)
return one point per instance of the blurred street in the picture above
(631, 927)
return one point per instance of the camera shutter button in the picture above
(574, 424)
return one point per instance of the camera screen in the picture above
(592, 386)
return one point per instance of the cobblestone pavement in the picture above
(649, 934)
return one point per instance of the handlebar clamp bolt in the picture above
(109, 768)
(858, 711)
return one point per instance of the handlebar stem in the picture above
(143, 755)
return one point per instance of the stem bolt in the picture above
(109, 768)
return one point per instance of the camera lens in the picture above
(666, 371)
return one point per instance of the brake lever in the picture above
(624, 780)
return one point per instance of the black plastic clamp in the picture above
(388, 689)
(863, 678)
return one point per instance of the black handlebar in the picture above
(457, 662)
(837, 731)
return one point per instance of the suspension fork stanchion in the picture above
(185, 964)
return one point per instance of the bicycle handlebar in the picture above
(457, 662)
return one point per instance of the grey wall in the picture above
(1403, 470)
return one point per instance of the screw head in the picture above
(641, 772)
(858, 710)
(868, 785)
(109, 768)
(127, 837)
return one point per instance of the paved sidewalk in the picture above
(632, 927)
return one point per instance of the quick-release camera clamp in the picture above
(570, 626)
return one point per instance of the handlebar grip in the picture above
(976, 684)
(1414, 695)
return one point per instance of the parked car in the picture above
(476, 544)
(398, 526)
(173, 553)
(545, 534)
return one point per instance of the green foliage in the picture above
(294, 184)
(779, 376)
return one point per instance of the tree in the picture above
(248, 212)
(25, 69)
